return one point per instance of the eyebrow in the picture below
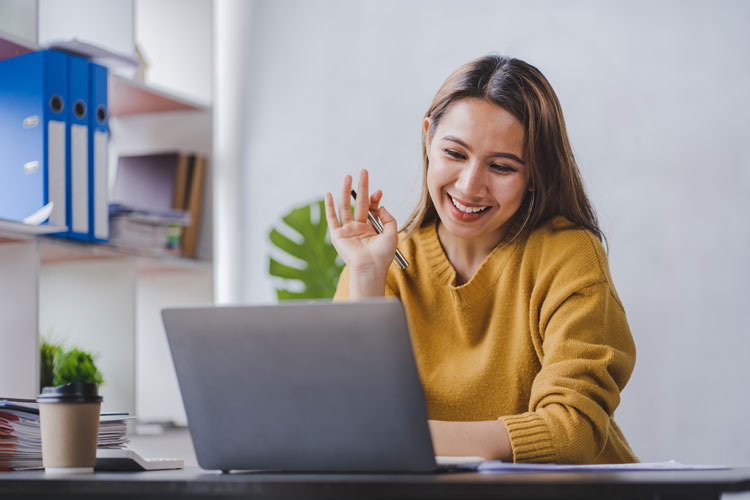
(510, 156)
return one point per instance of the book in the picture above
(149, 210)
(146, 183)
(194, 206)
(21, 435)
(182, 174)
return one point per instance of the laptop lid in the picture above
(301, 387)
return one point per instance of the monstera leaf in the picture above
(320, 264)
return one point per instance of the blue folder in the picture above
(33, 108)
(98, 159)
(78, 148)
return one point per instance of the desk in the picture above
(197, 483)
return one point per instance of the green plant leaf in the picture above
(48, 352)
(76, 366)
(321, 269)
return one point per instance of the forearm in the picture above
(487, 439)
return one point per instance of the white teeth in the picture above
(463, 208)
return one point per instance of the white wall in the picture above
(158, 396)
(18, 18)
(176, 39)
(656, 99)
(107, 24)
(90, 305)
(19, 296)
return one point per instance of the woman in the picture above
(520, 338)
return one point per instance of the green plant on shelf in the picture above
(321, 267)
(60, 366)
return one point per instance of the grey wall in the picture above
(656, 100)
(109, 25)
(176, 39)
(18, 18)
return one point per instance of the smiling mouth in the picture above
(467, 210)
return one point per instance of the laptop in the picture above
(308, 386)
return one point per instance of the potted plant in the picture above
(59, 366)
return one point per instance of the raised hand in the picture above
(366, 253)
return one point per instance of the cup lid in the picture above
(74, 392)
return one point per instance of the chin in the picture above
(463, 230)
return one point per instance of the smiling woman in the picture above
(528, 106)
(520, 338)
(477, 179)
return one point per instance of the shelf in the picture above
(57, 250)
(129, 97)
(13, 231)
(11, 46)
(54, 250)
(126, 96)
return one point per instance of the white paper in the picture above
(497, 466)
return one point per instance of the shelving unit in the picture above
(54, 250)
(130, 97)
(127, 97)
(11, 46)
(103, 298)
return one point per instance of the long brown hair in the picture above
(522, 90)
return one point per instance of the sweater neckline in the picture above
(486, 275)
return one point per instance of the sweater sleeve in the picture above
(588, 355)
(342, 288)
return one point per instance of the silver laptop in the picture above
(301, 387)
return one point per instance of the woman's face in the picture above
(477, 174)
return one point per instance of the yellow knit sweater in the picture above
(537, 337)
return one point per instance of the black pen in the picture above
(399, 259)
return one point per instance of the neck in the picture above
(466, 255)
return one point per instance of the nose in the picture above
(471, 182)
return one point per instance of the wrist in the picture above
(366, 282)
(487, 439)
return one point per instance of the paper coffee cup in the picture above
(69, 417)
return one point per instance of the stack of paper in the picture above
(20, 438)
(155, 233)
(497, 466)
(21, 441)
(113, 430)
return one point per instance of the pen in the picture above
(399, 259)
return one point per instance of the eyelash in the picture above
(495, 166)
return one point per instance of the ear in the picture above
(427, 137)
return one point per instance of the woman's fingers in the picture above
(333, 222)
(362, 204)
(345, 210)
(389, 222)
(375, 200)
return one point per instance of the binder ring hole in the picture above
(79, 108)
(56, 103)
(101, 114)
